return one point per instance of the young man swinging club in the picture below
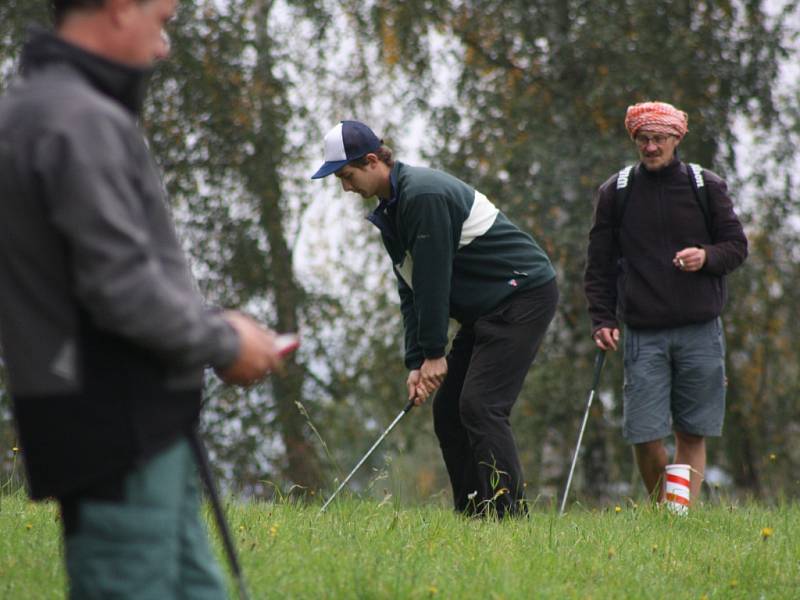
(456, 258)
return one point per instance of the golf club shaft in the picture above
(598, 366)
(408, 407)
(205, 473)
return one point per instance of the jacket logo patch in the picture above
(405, 269)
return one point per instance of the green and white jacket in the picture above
(455, 255)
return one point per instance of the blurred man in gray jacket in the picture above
(104, 334)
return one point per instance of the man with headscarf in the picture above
(657, 261)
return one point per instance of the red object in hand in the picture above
(287, 343)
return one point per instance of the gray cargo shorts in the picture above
(674, 380)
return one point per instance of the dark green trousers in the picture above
(141, 536)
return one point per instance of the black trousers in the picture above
(487, 366)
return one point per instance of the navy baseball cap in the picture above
(348, 141)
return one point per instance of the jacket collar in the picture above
(665, 172)
(381, 216)
(125, 84)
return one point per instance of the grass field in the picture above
(362, 549)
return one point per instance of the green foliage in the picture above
(15, 17)
(219, 116)
(524, 100)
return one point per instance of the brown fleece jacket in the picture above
(632, 279)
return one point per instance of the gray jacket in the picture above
(87, 247)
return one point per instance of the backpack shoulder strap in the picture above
(700, 193)
(621, 197)
(623, 177)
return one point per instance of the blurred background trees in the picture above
(525, 100)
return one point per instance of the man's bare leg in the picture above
(651, 458)
(691, 450)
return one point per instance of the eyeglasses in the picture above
(642, 140)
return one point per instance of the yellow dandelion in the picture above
(273, 531)
(433, 590)
(767, 532)
(704, 597)
(773, 457)
(734, 583)
(15, 449)
(655, 548)
(29, 526)
(617, 509)
(241, 528)
(611, 553)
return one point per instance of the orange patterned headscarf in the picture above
(658, 117)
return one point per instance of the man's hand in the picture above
(258, 353)
(606, 338)
(431, 376)
(411, 384)
(690, 259)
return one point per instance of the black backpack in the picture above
(623, 192)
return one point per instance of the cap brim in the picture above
(328, 168)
